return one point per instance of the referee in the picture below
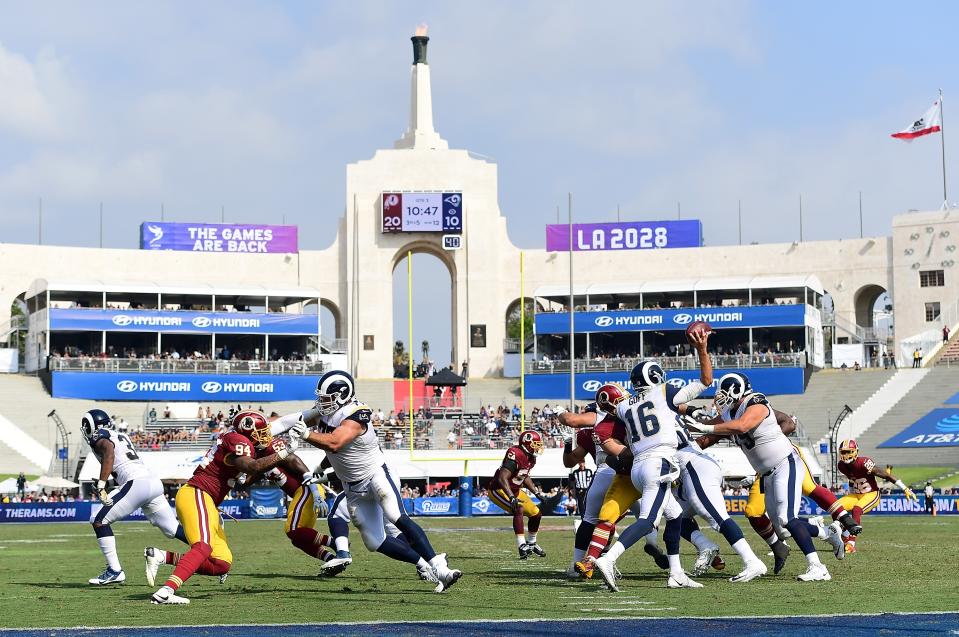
(580, 478)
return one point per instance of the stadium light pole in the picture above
(522, 343)
(40, 221)
(101, 224)
(800, 217)
(409, 320)
(860, 214)
(740, 209)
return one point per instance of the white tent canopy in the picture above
(10, 486)
(53, 482)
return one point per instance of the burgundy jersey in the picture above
(214, 475)
(584, 439)
(861, 480)
(280, 475)
(608, 427)
(524, 464)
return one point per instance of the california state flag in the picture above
(930, 122)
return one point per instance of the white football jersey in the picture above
(360, 458)
(650, 423)
(127, 464)
(766, 445)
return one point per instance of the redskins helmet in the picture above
(848, 450)
(608, 396)
(531, 442)
(254, 426)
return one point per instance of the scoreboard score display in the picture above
(423, 212)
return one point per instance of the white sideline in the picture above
(884, 399)
(18, 440)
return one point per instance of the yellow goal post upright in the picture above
(412, 432)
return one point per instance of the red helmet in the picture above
(608, 396)
(531, 442)
(254, 426)
(848, 450)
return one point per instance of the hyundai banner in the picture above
(629, 235)
(672, 319)
(182, 321)
(938, 428)
(183, 387)
(217, 237)
(768, 380)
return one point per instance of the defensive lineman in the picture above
(137, 488)
(346, 434)
(749, 417)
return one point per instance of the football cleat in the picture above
(681, 580)
(607, 569)
(165, 595)
(704, 560)
(572, 573)
(537, 549)
(451, 577)
(752, 571)
(525, 551)
(780, 552)
(815, 573)
(109, 576)
(154, 558)
(849, 524)
(223, 578)
(835, 540)
(584, 568)
(658, 556)
(427, 574)
(338, 564)
(850, 547)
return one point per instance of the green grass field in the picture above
(904, 564)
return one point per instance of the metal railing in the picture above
(146, 365)
(794, 359)
(334, 345)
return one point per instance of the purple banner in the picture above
(628, 235)
(217, 237)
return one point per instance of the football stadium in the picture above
(495, 402)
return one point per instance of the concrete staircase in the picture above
(938, 384)
(949, 355)
(891, 392)
(827, 393)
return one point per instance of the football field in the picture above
(905, 565)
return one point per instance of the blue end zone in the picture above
(795, 626)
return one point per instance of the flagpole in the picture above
(942, 139)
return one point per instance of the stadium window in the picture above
(932, 311)
(932, 278)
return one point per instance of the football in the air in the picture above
(697, 326)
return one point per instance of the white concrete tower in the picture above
(420, 134)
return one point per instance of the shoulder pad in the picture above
(362, 415)
(756, 399)
(102, 434)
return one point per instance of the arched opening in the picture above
(867, 300)
(331, 323)
(433, 312)
(513, 324)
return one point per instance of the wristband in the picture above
(283, 453)
(101, 485)
(706, 429)
(568, 447)
(901, 485)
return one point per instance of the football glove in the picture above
(514, 502)
(910, 495)
(299, 430)
(311, 482)
(102, 494)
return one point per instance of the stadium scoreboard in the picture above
(423, 212)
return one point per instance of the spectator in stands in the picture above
(166, 411)
(945, 333)
(451, 440)
(152, 416)
(122, 425)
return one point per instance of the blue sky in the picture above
(258, 106)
